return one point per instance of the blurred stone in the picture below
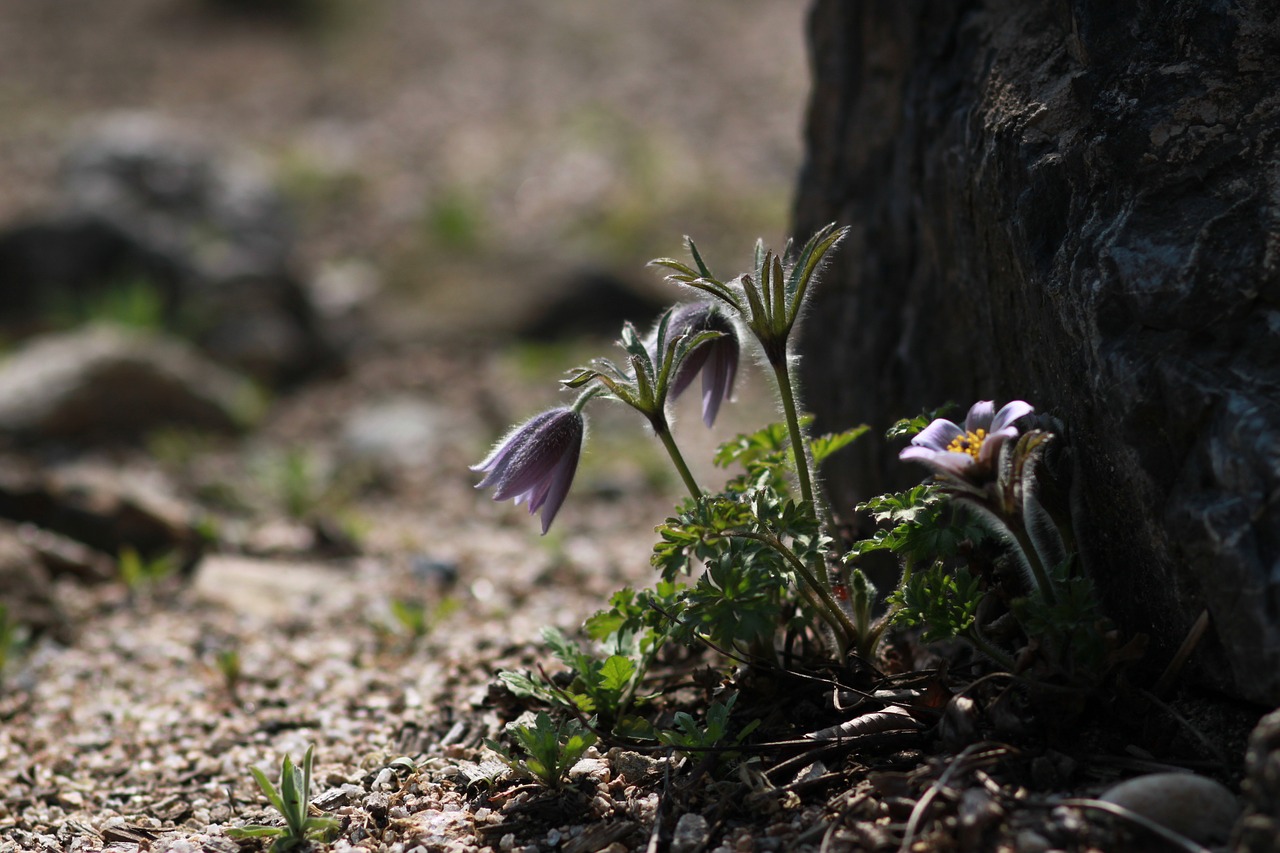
(101, 382)
(1259, 829)
(399, 431)
(591, 302)
(146, 204)
(26, 589)
(268, 588)
(105, 509)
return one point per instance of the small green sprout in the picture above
(229, 664)
(688, 736)
(139, 572)
(549, 750)
(292, 799)
(12, 638)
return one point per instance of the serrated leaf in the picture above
(824, 446)
(616, 673)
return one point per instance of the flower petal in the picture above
(937, 435)
(536, 459)
(979, 416)
(1011, 411)
(940, 461)
(717, 378)
(502, 451)
(558, 486)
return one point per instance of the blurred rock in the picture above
(591, 302)
(144, 203)
(104, 509)
(1259, 829)
(274, 589)
(399, 431)
(26, 589)
(101, 382)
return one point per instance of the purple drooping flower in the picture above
(716, 360)
(967, 453)
(536, 462)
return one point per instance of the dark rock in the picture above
(591, 302)
(107, 510)
(101, 382)
(1074, 204)
(145, 203)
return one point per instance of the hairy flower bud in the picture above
(536, 462)
(716, 360)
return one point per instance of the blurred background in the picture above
(440, 169)
(273, 273)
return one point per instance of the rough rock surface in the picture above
(105, 382)
(143, 202)
(1075, 204)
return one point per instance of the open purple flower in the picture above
(536, 462)
(716, 360)
(969, 452)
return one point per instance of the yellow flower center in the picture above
(970, 442)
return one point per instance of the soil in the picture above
(138, 734)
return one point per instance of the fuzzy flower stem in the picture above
(663, 432)
(986, 647)
(798, 446)
(586, 397)
(1032, 557)
(783, 377)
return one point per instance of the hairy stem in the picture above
(799, 448)
(982, 644)
(1032, 557)
(664, 434)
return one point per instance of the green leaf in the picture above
(908, 427)
(616, 673)
(255, 831)
(825, 445)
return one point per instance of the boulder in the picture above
(72, 515)
(1075, 204)
(102, 382)
(144, 204)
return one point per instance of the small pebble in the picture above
(691, 833)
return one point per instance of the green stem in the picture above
(663, 433)
(799, 449)
(798, 446)
(1029, 553)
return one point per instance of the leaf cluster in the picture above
(944, 603)
(603, 688)
(918, 524)
(549, 750)
(291, 799)
(687, 735)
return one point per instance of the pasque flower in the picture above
(716, 360)
(536, 462)
(967, 453)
